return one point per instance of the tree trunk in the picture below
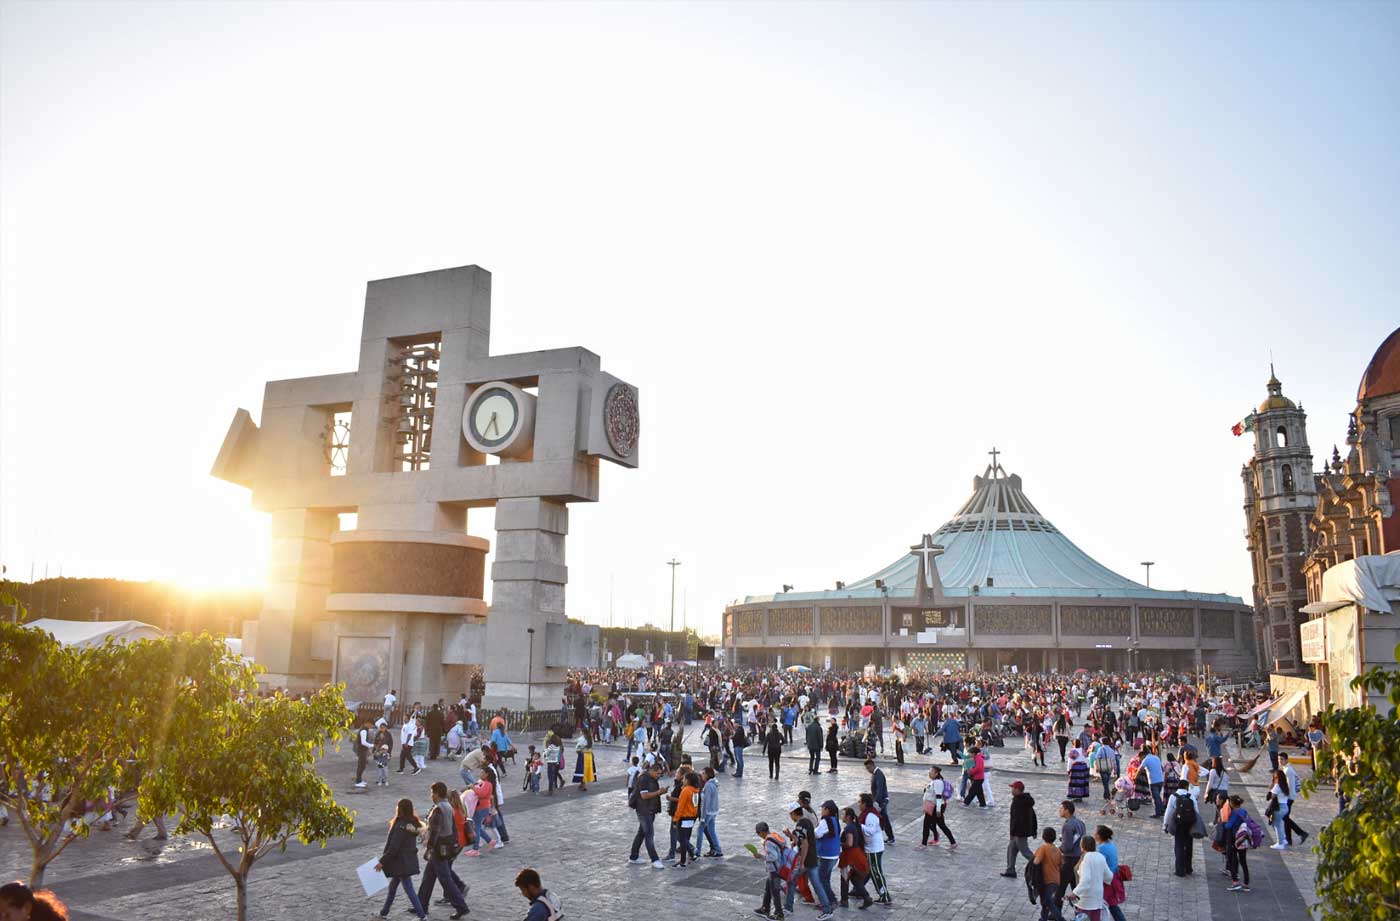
(36, 871)
(241, 882)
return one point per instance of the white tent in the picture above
(84, 633)
(632, 660)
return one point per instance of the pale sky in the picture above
(842, 249)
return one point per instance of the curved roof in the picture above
(1001, 544)
(1382, 376)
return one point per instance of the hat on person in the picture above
(1017, 785)
(795, 807)
(803, 796)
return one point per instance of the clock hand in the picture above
(492, 425)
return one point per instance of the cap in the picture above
(803, 796)
(795, 807)
(1017, 785)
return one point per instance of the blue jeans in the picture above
(646, 834)
(440, 871)
(467, 777)
(483, 835)
(738, 761)
(826, 865)
(500, 826)
(1281, 833)
(1158, 807)
(407, 883)
(707, 828)
(814, 882)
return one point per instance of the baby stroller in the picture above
(1123, 803)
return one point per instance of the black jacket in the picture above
(773, 742)
(1023, 823)
(833, 744)
(400, 857)
(814, 736)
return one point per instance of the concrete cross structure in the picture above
(928, 552)
(437, 427)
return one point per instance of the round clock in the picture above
(621, 421)
(499, 419)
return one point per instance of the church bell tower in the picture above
(1280, 497)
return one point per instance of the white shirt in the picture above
(1093, 876)
(870, 831)
(389, 700)
(408, 732)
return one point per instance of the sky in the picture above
(843, 251)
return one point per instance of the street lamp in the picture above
(673, 564)
(1147, 567)
(530, 669)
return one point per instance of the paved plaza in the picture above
(579, 842)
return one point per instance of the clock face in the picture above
(621, 420)
(494, 418)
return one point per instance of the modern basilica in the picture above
(996, 586)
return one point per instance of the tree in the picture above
(1358, 868)
(255, 761)
(78, 726)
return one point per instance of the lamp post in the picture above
(673, 564)
(1147, 568)
(530, 669)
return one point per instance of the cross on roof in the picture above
(927, 551)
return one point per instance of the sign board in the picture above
(1313, 636)
(826, 664)
(936, 617)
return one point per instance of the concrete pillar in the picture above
(298, 580)
(528, 580)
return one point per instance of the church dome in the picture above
(1382, 376)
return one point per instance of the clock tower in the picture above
(1280, 497)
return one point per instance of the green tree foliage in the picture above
(252, 765)
(1358, 868)
(80, 726)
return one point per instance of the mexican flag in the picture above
(1244, 425)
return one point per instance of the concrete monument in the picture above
(429, 428)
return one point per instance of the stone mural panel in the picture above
(1094, 620)
(1011, 619)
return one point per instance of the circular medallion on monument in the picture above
(499, 419)
(621, 420)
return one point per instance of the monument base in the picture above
(547, 696)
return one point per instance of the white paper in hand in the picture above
(371, 880)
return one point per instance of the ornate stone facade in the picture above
(1011, 619)
(850, 621)
(1166, 622)
(1217, 624)
(789, 621)
(748, 623)
(1094, 620)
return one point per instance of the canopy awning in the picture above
(1285, 705)
(1266, 705)
(85, 634)
(1323, 607)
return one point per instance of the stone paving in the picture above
(578, 842)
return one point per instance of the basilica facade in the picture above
(997, 586)
(1299, 523)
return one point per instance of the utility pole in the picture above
(673, 564)
(1147, 567)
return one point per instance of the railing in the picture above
(516, 720)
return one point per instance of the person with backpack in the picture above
(775, 855)
(544, 905)
(442, 849)
(645, 798)
(936, 795)
(806, 864)
(1179, 821)
(1242, 834)
(1105, 761)
(399, 862)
